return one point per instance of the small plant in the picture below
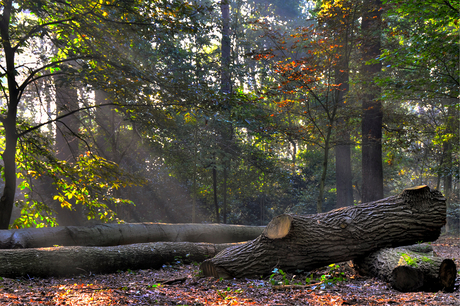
(276, 272)
(226, 294)
(154, 286)
(427, 259)
(409, 260)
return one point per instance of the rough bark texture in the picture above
(410, 269)
(119, 234)
(292, 242)
(62, 261)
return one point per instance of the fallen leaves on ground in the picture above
(181, 285)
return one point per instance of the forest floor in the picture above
(181, 285)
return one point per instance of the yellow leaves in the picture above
(66, 204)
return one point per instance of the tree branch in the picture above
(62, 116)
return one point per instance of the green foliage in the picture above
(160, 62)
(276, 272)
(90, 182)
(427, 259)
(411, 261)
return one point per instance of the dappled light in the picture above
(231, 152)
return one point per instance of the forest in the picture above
(173, 132)
(224, 112)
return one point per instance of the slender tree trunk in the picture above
(225, 73)
(226, 88)
(8, 156)
(343, 172)
(9, 123)
(224, 202)
(195, 154)
(319, 203)
(448, 163)
(214, 186)
(372, 168)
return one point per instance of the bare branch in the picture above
(62, 116)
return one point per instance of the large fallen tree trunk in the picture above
(119, 234)
(73, 260)
(410, 268)
(293, 242)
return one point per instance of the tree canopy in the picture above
(231, 111)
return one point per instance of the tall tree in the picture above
(226, 88)
(372, 116)
(84, 34)
(341, 19)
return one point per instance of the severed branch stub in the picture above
(292, 242)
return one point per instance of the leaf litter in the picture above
(181, 285)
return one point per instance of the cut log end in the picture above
(407, 279)
(448, 273)
(279, 227)
(417, 187)
(211, 270)
(416, 193)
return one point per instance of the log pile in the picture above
(292, 242)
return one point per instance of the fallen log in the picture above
(120, 234)
(292, 242)
(410, 268)
(76, 260)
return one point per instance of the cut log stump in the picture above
(293, 242)
(410, 269)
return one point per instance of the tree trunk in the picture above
(62, 261)
(226, 88)
(410, 269)
(9, 123)
(292, 242)
(372, 168)
(214, 187)
(116, 234)
(342, 80)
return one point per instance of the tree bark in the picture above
(63, 261)
(410, 269)
(118, 234)
(292, 242)
(9, 122)
(372, 167)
